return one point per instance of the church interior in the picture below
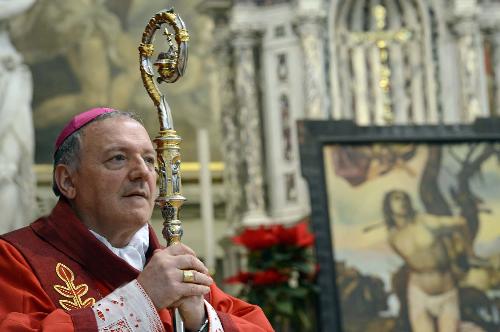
(340, 158)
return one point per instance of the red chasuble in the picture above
(54, 270)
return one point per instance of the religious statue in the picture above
(16, 128)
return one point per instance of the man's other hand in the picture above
(162, 279)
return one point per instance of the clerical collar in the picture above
(134, 253)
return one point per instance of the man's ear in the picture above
(63, 175)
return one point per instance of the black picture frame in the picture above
(314, 136)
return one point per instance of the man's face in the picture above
(399, 204)
(115, 182)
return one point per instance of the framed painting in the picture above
(407, 225)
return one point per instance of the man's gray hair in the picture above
(69, 151)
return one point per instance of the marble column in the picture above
(249, 125)
(494, 39)
(17, 181)
(311, 30)
(229, 124)
(472, 72)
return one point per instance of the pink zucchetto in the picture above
(78, 121)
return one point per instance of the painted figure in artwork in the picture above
(91, 39)
(360, 164)
(435, 249)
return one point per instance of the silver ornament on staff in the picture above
(170, 66)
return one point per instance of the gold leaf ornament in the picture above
(73, 293)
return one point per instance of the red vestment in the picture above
(54, 269)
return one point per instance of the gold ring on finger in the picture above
(188, 276)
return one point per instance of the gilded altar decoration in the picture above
(382, 38)
(73, 293)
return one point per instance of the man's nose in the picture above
(140, 169)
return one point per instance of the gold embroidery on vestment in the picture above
(73, 292)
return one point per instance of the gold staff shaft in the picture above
(170, 67)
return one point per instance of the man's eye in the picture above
(118, 157)
(149, 160)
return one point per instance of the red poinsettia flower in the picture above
(297, 235)
(268, 277)
(255, 239)
(268, 236)
(240, 278)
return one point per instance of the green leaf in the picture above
(305, 320)
(298, 292)
(272, 293)
(303, 268)
(284, 307)
(283, 257)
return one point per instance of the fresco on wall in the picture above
(83, 53)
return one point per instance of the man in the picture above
(433, 247)
(94, 263)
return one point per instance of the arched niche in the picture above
(383, 61)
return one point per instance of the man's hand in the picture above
(192, 310)
(162, 279)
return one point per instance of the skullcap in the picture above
(78, 121)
